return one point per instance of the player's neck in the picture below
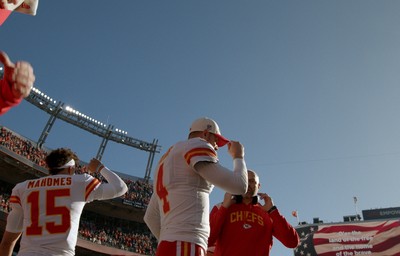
(63, 172)
(247, 200)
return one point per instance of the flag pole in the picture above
(355, 207)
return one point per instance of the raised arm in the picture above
(235, 182)
(114, 188)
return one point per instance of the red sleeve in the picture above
(283, 231)
(7, 98)
(217, 218)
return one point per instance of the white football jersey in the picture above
(182, 195)
(51, 209)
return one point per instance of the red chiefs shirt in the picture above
(248, 230)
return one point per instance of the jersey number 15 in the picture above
(50, 210)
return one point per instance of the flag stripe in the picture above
(388, 243)
(379, 238)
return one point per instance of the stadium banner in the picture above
(378, 238)
(384, 213)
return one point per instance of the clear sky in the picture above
(311, 88)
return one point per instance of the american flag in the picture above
(378, 238)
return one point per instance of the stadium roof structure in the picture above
(59, 110)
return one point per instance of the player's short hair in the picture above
(59, 157)
(255, 175)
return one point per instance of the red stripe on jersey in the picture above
(199, 152)
(92, 185)
(185, 248)
(180, 248)
(15, 200)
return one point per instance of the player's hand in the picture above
(228, 200)
(236, 150)
(19, 75)
(95, 165)
(268, 202)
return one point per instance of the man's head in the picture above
(208, 129)
(254, 184)
(61, 159)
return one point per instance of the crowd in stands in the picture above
(139, 191)
(22, 147)
(134, 237)
(129, 236)
(5, 192)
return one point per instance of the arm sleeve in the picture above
(152, 216)
(283, 231)
(114, 188)
(217, 219)
(232, 182)
(7, 98)
(15, 219)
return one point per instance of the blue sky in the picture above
(311, 88)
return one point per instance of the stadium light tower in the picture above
(58, 110)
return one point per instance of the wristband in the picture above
(273, 208)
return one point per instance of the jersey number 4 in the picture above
(50, 210)
(161, 190)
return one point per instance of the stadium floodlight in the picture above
(120, 131)
(69, 114)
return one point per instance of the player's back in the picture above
(52, 207)
(186, 193)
